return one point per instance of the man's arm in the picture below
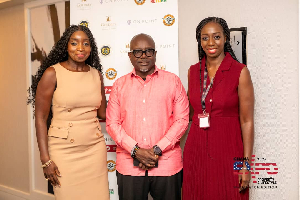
(113, 121)
(181, 119)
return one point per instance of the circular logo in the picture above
(169, 20)
(111, 73)
(139, 2)
(84, 23)
(105, 50)
(111, 165)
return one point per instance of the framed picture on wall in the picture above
(238, 43)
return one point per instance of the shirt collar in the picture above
(155, 71)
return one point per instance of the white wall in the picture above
(272, 56)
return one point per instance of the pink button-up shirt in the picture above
(148, 113)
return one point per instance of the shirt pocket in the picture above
(58, 132)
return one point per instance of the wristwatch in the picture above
(157, 150)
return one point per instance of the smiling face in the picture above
(213, 40)
(145, 63)
(79, 47)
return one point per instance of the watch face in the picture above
(157, 150)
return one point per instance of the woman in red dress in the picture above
(222, 131)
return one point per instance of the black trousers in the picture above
(160, 187)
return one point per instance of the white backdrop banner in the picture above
(113, 24)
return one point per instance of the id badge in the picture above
(203, 120)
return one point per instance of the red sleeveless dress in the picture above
(209, 153)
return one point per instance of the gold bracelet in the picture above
(47, 164)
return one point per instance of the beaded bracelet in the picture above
(47, 164)
(134, 149)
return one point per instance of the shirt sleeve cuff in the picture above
(163, 143)
(129, 144)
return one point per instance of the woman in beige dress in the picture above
(68, 90)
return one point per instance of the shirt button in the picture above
(144, 101)
(144, 119)
(72, 140)
(70, 124)
(145, 85)
(145, 139)
(69, 110)
(210, 100)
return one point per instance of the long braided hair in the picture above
(58, 54)
(226, 31)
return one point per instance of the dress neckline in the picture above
(76, 71)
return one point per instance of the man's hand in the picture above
(146, 157)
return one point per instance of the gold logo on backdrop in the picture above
(158, 1)
(105, 50)
(84, 23)
(128, 46)
(140, 2)
(108, 19)
(111, 73)
(169, 20)
(163, 67)
(111, 165)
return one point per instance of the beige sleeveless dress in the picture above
(75, 141)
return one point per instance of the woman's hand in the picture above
(51, 173)
(244, 179)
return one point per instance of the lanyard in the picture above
(205, 91)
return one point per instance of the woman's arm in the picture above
(43, 99)
(246, 109)
(102, 110)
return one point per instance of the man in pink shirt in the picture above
(147, 113)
